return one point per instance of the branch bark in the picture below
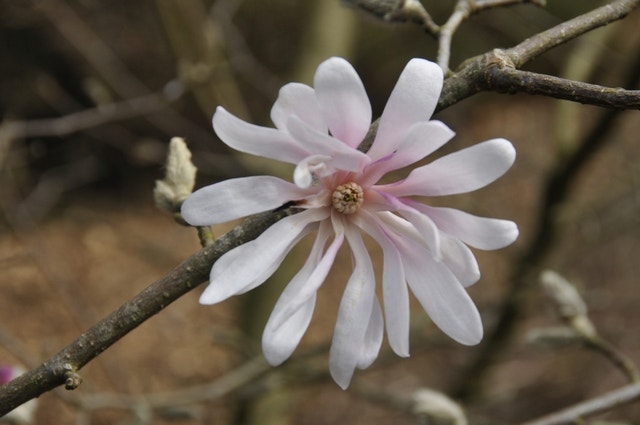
(603, 403)
(493, 71)
(193, 271)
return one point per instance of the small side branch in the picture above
(566, 31)
(603, 403)
(509, 80)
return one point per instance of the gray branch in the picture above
(493, 71)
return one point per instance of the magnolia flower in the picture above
(337, 191)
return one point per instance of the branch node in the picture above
(72, 379)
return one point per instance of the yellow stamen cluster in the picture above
(347, 198)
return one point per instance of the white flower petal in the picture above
(235, 198)
(249, 265)
(279, 343)
(372, 338)
(478, 232)
(354, 313)
(311, 168)
(394, 287)
(421, 222)
(463, 171)
(256, 140)
(460, 260)
(413, 99)
(422, 139)
(343, 156)
(440, 294)
(293, 311)
(343, 101)
(309, 279)
(299, 100)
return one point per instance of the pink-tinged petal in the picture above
(353, 314)
(342, 156)
(372, 338)
(421, 222)
(309, 279)
(460, 260)
(413, 99)
(249, 265)
(422, 139)
(343, 101)
(310, 169)
(460, 172)
(279, 343)
(478, 232)
(394, 287)
(256, 140)
(440, 294)
(293, 311)
(235, 198)
(299, 100)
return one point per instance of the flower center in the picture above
(347, 198)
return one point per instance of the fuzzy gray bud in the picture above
(390, 10)
(179, 180)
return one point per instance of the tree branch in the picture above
(131, 314)
(599, 404)
(494, 71)
(509, 80)
(482, 73)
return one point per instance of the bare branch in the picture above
(89, 118)
(603, 403)
(560, 34)
(476, 75)
(131, 314)
(509, 80)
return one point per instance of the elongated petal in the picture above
(279, 343)
(440, 294)
(307, 281)
(421, 222)
(479, 232)
(256, 140)
(353, 314)
(413, 99)
(422, 139)
(372, 337)
(299, 100)
(235, 198)
(343, 101)
(249, 265)
(394, 287)
(293, 311)
(460, 260)
(342, 156)
(463, 171)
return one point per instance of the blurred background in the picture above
(90, 94)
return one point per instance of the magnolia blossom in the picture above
(337, 189)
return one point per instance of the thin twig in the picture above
(603, 403)
(566, 31)
(195, 269)
(509, 80)
(555, 192)
(93, 117)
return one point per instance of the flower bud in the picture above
(569, 303)
(437, 409)
(390, 10)
(179, 180)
